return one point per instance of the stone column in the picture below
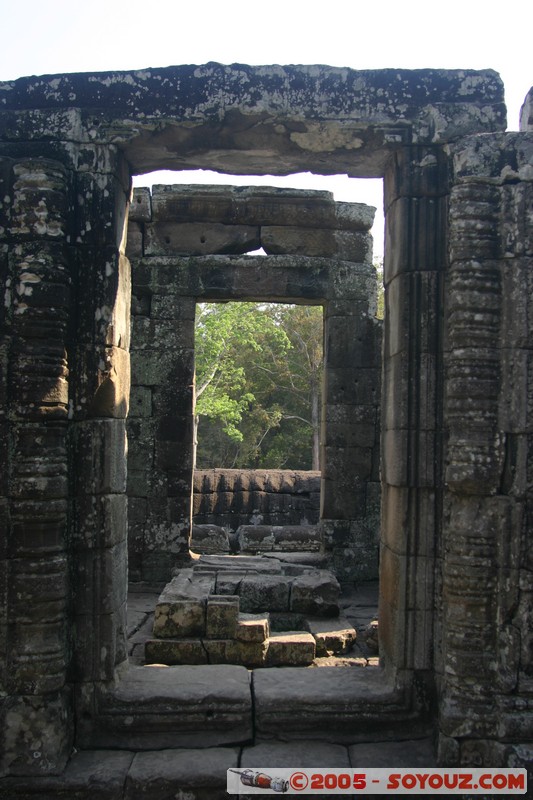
(36, 727)
(487, 565)
(160, 427)
(415, 261)
(99, 405)
(350, 432)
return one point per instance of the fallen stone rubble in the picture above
(251, 611)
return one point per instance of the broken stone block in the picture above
(291, 648)
(252, 627)
(180, 618)
(264, 593)
(290, 538)
(141, 206)
(209, 539)
(331, 636)
(255, 538)
(228, 583)
(181, 608)
(372, 636)
(221, 617)
(266, 538)
(316, 594)
(175, 651)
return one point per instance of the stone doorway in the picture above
(186, 244)
(66, 167)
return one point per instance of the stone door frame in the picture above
(65, 167)
(167, 289)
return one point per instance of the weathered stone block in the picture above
(181, 774)
(179, 706)
(180, 618)
(255, 538)
(100, 450)
(232, 651)
(222, 614)
(140, 402)
(141, 205)
(293, 538)
(175, 651)
(198, 238)
(331, 636)
(316, 594)
(181, 608)
(38, 734)
(228, 582)
(208, 539)
(304, 753)
(291, 648)
(264, 593)
(252, 627)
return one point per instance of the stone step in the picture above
(159, 706)
(201, 774)
(332, 636)
(337, 704)
(290, 648)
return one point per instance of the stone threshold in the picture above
(213, 705)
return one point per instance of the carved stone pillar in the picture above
(99, 406)
(36, 727)
(415, 260)
(486, 684)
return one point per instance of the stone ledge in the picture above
(191, 774)
(200, 774)
(159, 706)
(330, 703)
(194, 774)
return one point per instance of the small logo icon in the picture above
(261, 781)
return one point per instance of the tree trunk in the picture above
(196, 420)
(315, 421)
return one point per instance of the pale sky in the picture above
(46, 37)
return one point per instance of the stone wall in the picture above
(230, 497)
(455, 572)
(190, 243)
(486, 549)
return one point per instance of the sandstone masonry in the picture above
(456, 416)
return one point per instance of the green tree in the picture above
(259, 372)
(380, 312)
(292, 383)
(228, 335)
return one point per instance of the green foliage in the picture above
(258, 378)
(380, 313)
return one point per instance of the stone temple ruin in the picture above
(425, 440)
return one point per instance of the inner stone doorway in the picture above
(186, 245)
(278, 602)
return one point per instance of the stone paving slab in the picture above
(181, 774)
(89, 774)
(409, 753)
(296, 754)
